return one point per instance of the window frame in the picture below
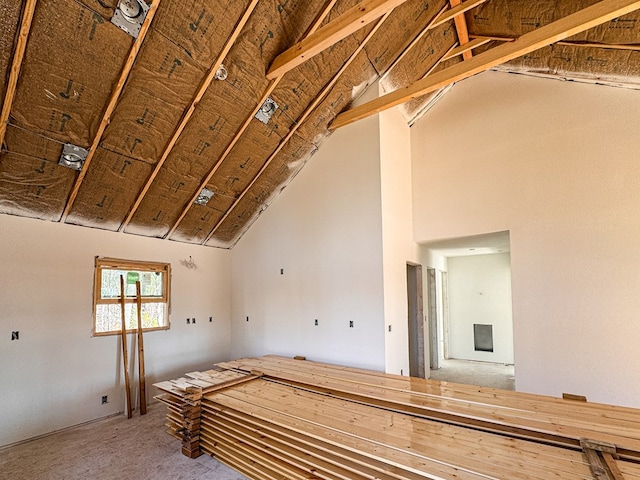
(108, 263)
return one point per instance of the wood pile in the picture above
(291, 419)
(183, 398)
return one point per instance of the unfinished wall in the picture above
(56, 373)
(324, 233)
(555, 164)
(480, 293)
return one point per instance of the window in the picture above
(154, 281)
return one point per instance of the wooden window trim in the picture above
(121, 264)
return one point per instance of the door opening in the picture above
(416, 322)
(434, 344)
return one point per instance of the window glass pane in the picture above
(108, 316)
(151, 283)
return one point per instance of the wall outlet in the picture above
(247, 318)
(389, 327)
(188, 321)
(15, 335)
(193, 320)
(350, 323)
(315, 322)
(105, 399)
(210, 319)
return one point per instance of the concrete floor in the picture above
(108, 449)
(483, 374)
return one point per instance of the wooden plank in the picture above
(125, 350)
(325, 91)
(16, 64)
(457, 8)
(403, 441)
(268, 91)
(512, 418)
(575, 398)
(470, 45)
(611, 46)
(612, 465)
(111, 106)
(364, 13)
(589, 17)
(461, 29)
(488, 453)
(269, 437)
(208, 80)
(277, 423)
(141, 376)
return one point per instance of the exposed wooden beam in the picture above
(111, 106)
(573, 24)
(461, 29)
(320, 18)
(457, 8)
(574, 43)
(18, 56)
(611, 46)
(352, 20)
(460, 50)
(321, 96)
(495, 37)
(208, 80)
(268, 91)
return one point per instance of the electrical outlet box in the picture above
(188, 321)
(15, 335)
(210, 319)
(247, 318)
(105, 399)
(193, 320)
(389, 327)
(315, 322)
(350, 323)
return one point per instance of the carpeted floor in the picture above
(115, 448)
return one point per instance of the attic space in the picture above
(270, 170)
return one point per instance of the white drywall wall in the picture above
(56, 373)
(324, 233)
(398, 246)
(556, 164)
(480, 293)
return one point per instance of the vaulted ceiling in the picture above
(183, 119)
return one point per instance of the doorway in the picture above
(416, 321)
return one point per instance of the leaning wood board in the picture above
(292, 419)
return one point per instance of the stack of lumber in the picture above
(304, 420)
(183, 398)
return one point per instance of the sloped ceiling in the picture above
(161, 124)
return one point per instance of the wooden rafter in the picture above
(457, 9)
(462, 49)
(413, 43)
(589, 17)
(321, 96)
(268, 91)
(461, 28)
(111, 106)
(352, 20)
(611, 46)
(208, 80)
(16, 65)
